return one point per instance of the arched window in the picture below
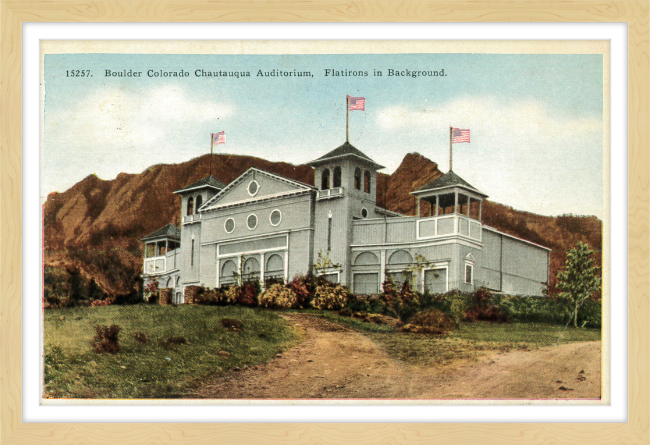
(274, 267)
(325, 180)
(251, 269)
(199, 202)
(366, 181)
(337, 177)
(366, 259)
(190, 206)
(228, 270)
(357, 178)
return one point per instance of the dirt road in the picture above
(334, 362)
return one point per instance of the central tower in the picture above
(346, 180)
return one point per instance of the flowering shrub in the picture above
(330, 296)
(245, 294)
(278, 296)
(403, 303)
(211, 297)
(302, 286)
(106, 302)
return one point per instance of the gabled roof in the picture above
(344, 151)
(169, 231)
(449, 179)
(301, 186)
(208, 181)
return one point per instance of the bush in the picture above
(482, 307)
(330, 296)
(303, 287)
(106, 340)
(106, 302)
(430, 321)
(279, 297)
(457, 307)
(246, 294)
(403, 302)
(211, 297)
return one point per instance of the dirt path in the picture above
(334, 362)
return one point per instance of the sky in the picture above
(536, 121)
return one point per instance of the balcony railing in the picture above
(191, 218)
(411, 229)
(332, 193)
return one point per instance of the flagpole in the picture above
(347, 118)
(211, 150)
(451, 144)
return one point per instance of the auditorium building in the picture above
(263, 226)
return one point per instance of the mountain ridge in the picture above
(95, 226)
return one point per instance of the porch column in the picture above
(437, 206)
(382, 270)
(418, 206)
(218, 283)
(262, 267)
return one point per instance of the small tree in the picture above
(579, 279)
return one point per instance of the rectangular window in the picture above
(151, 250)
(469, 269)
(435, 281)
(366, 283)
(192, 255)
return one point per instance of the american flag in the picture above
(460, 136)
(219, 138)
(357, 103)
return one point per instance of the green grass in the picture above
(469, 342)
(154, 370)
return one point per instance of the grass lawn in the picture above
(154, 369)
(468, 342)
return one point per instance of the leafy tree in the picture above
(579, 279)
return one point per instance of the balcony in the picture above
(411, 229)
(191, 218)
(336, 192)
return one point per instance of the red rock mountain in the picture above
(95, 226)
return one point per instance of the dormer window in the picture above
(337, 177)
(190, 206)
(366, 181)
(325, 180)
(357, 178)
(199, 202)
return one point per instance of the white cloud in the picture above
(124, 118)
(487, 116)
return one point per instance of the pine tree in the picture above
(579, 279)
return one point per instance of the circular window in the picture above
(229, 225)
(251, 221)
(276, 217)
(364, 212)
(253, 187)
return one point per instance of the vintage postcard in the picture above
(421, 222)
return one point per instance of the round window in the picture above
(276, 217)
(251, 221)
(229, 225)
(253, 188)
(364, 212)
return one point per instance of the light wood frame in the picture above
(15, 13)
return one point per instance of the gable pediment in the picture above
(255, 185)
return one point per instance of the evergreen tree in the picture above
(579, 279)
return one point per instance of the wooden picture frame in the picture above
(15, 13)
